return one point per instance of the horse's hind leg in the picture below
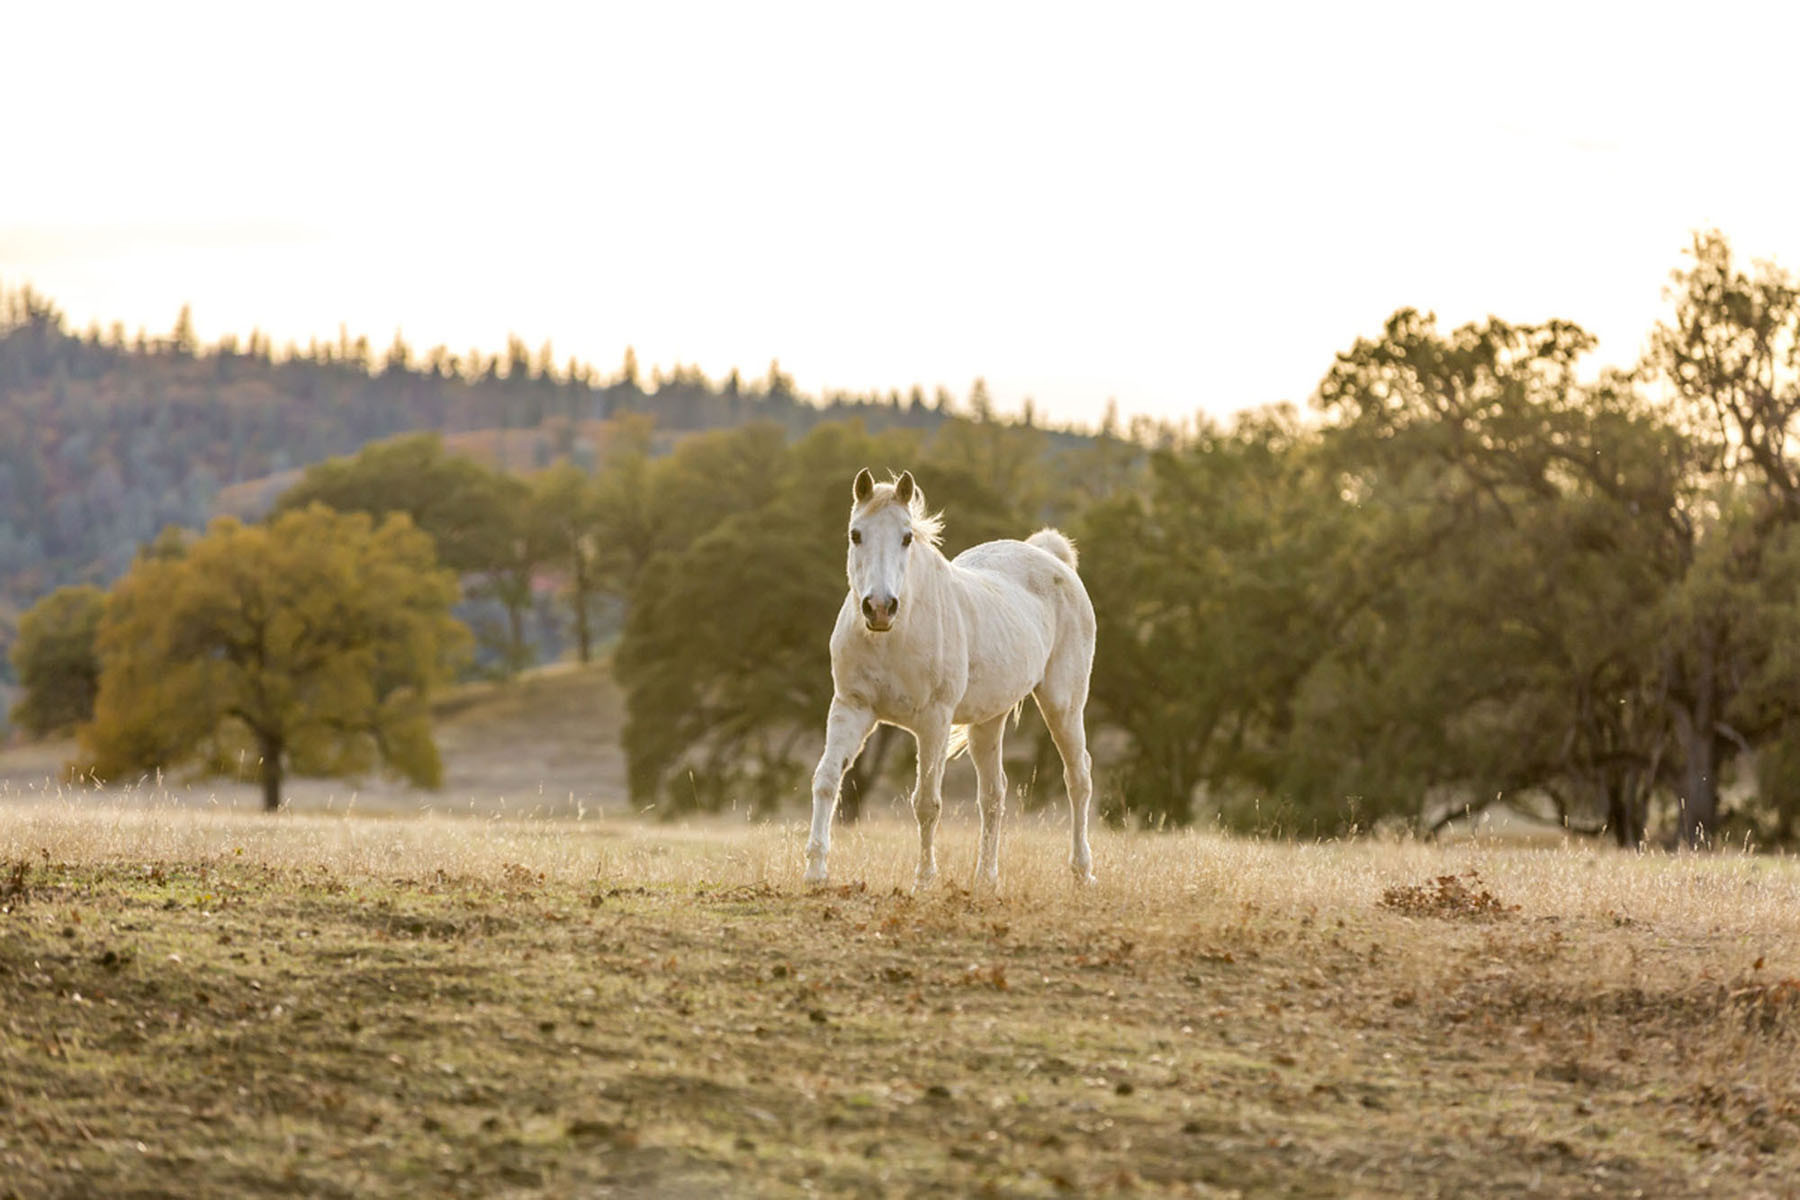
(928, 795)
(990, 772)
(1063, 716)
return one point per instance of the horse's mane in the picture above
(926, 525)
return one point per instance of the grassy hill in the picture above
(546, 744)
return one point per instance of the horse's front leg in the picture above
(933, 734)
(846, 729)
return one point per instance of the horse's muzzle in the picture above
(879, 616)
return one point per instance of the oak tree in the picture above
(309, 645)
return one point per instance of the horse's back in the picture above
(1034, 569)
(1022, 593)
(1044, 568)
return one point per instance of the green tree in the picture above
(523, 543)
(309, 645)
(711, 477)
(1731, 355)
(479, 520)
(1008, 460)
(627, 524)
(182, 340)
(564, 520)
(453, 499)
(1456, 590)
(55, 661)
(721, 669)
(1525, 534)
(1215, 594)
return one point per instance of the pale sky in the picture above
(1187, 207)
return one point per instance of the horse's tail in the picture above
(958, 742)
(1054, 543)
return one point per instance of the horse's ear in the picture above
(903, 488)
(864, 487)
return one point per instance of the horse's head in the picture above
(884, 522)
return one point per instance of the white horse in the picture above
(946, 649)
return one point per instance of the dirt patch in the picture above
(1452, 897)
(14, 882)
(1771, 1006)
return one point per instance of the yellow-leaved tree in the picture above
(309, 645)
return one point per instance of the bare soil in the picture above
(213, 1005)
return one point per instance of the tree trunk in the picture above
(515, 629)
(1625, 811)
(1046, 770)
(1697, 805)
(270, 772)
(1698, 810)
(584, 634)
(1180, 808)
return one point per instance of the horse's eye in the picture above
(906, 538)
(856, 537)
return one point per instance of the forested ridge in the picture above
(106, 438)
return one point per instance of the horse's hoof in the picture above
(817, 876)
(923, 881)
(1083, 877)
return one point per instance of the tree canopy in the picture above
(460, 504)
(55, 660)
(309, 645)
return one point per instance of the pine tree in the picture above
(182, 341)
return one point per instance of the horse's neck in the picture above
(936, 582)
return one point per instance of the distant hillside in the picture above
(516, 450)
(105, 439)
(548, 739)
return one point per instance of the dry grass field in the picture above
(217, 1003)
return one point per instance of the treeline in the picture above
(1472, 575)
(105, 437)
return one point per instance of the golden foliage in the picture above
(309, 644)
